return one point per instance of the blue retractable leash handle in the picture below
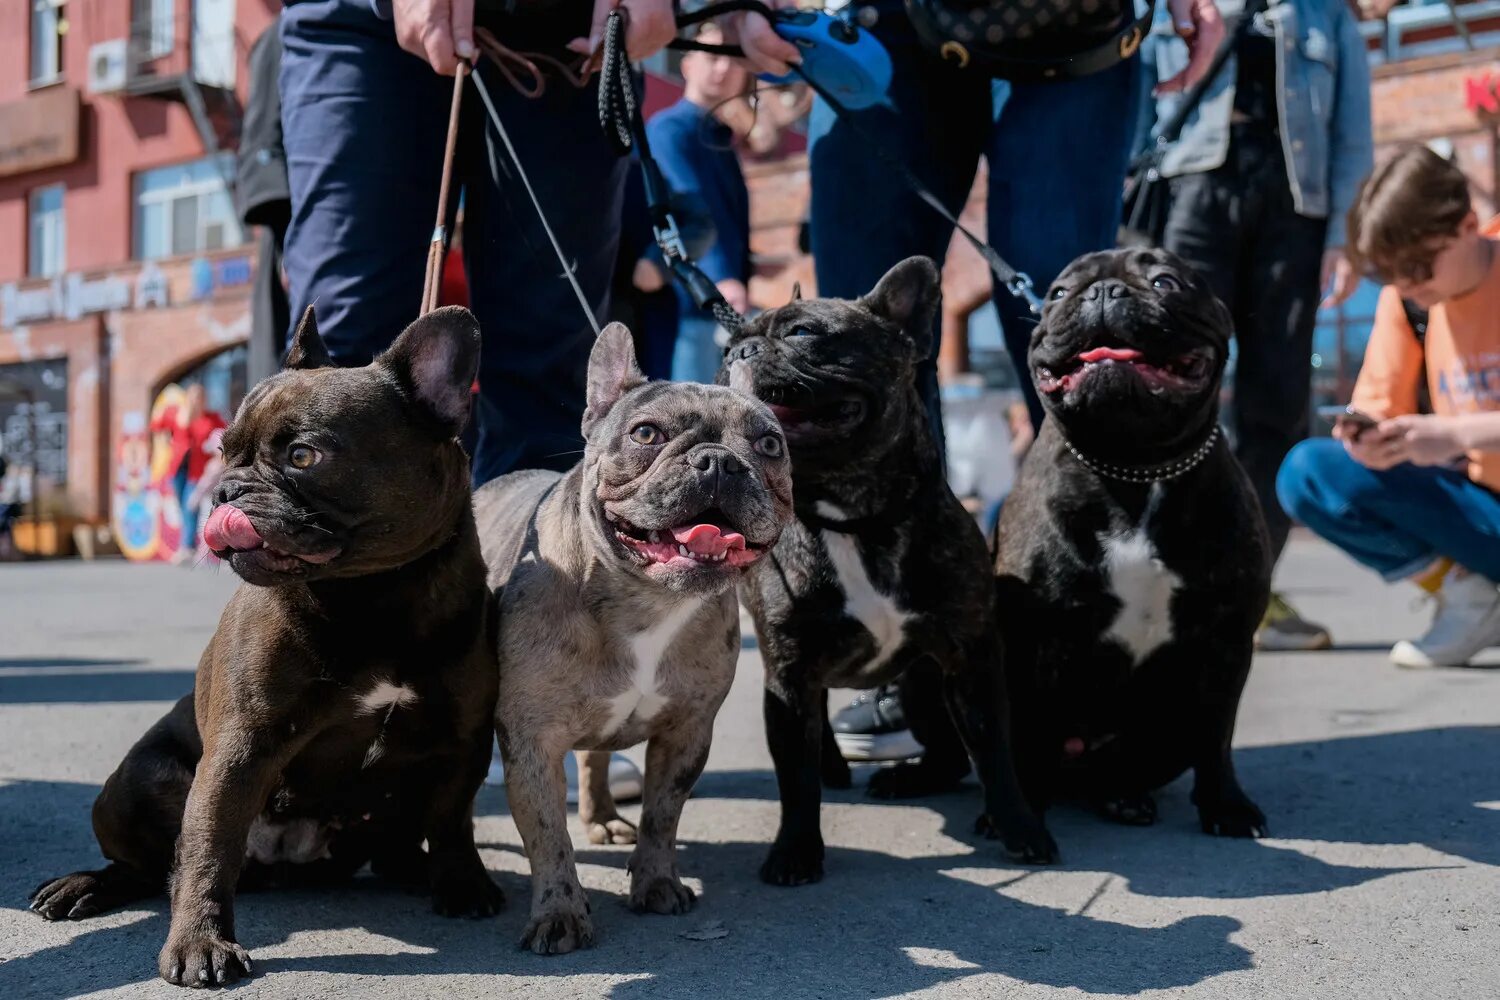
(844, 65)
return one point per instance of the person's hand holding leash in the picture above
(650, 26)
(767, 51)
(439, 31)
(1197, 22)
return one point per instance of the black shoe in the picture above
(873, 727)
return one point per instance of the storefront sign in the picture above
(40, 130)
(67, 297)
(209, 276)
(151, 288)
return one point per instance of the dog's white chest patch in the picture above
(385, 695)
(1144, 587)
(881, 616)
(641, 699)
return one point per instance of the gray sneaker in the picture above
(1466, 623)
(1282, 630)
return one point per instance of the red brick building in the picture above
(122, 265)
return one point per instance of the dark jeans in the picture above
(364, 126)
(183, 487)
(1398, 521)
(1237, 225)
(1056, 154)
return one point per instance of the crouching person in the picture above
(1412, 492)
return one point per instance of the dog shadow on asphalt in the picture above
(877, 925)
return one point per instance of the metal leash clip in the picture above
(669, 239)
(1021, 287)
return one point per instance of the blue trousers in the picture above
(364, 124)
(1398, 521)
(1056, 152)
(696, 356)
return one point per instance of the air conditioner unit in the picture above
(108, 66)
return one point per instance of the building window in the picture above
(154, 27)
(47, 28)
(47, 243)
(184, 209)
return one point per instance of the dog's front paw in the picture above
(793, 862)
(611, 831)
(466, 894)
(663, 894)
(1231, 814)
(202, 959)
(73, 897)
(1025, 839)
(557, 930)
(1130, 810)
(911, 781)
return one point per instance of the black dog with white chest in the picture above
(883, 576)
(1132, 562)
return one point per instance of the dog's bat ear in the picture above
(307, 349)
(909, 296)
(435, 361)
(612, 373)
(796, 291)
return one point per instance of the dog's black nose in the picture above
(748, 349)
(1109, 288)
(716, 460)
(227, 490)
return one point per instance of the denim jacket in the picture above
(1323, 84)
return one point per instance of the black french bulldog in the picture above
(1132, 562)
(343, 710)
(882, 575)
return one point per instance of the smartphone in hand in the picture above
(1356, 422)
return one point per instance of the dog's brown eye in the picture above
(770, 446)
(300, 456)
(1166, 283)
(647, 434)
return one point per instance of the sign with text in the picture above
(40, 130)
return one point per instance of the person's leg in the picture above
(696, 355)
(536, 336)
(1397, 522)
(363, 125)
(1273, 374)
(1047, 203)
(864, 220)
(184, 489)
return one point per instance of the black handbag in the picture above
(1030, 40)
(1148, 195)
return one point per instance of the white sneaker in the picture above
(1467, 621)
(625, 781)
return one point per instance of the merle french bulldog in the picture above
(1132, 562)
(618, 620)
(883, 574)
(343, 710)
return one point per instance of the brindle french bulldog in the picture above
(1132, 565)
(882, 577)
(342, 712)
(618, 620)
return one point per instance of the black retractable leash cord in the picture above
(1015, 282)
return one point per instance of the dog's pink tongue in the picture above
(228, 528)
(707, 540)
(1110, 354)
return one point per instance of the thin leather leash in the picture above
(503, 57)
